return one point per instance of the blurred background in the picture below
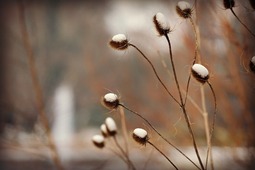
(62, 47)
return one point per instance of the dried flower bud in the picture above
(200, 73)
(252, 2)
(140, 136)
(228, 4)
(252, 64)
(104, 130)
(161, 24)
(119, 42)
(98, 141)
(110, 101)
(111, 126)
(183, 8)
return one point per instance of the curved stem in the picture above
(182, 104)
(137, 114)
(242, 22)
(163, 154)
(124, 128)
(155, 72)
(195, 56)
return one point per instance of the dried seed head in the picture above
(228, 4)
(183, 8)
(104, 130)
(252, 2)
(110, 126)
(119, 42)
(252, 64)
(110, 101)
(161, 24)
(98, 141)
(140, 136)
(200, 73)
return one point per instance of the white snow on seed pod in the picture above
(200, 70)
(104, 130)
(183, 5)
(110, 97)
(110, 125)
(253, 60)
(98, 138)
(161, 19)
(98, 141)
(119, 38)
(141, 133)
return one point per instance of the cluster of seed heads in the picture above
(108, 129)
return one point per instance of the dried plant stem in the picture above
(124, 128)
(209, 152)
(182, 104)
(162, 154)
(129, 163)
(137, 114)
(206, 124)
(155, 72)
(119, 155)
(242, 22)
(37, 88)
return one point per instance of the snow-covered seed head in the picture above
(110, 101)
(98, 141)
(104, 130)
(161, 24)
(200, 73)
(183, 9)
(252, 64)
(228, 4)
(110, 126)
(140, 136)
(119, 42)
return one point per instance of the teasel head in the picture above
(252, 64)
(183, 9)
(104, 130)
(119, 42)
(161, 24)
(228, 4)
(98, 141)
(110, 101)
(110, 126)
(140, 136)
(200, 73)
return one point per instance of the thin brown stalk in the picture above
(129, 162)
(163, 154)
(242, 23)
(124, 128)
(155, 72)
(37, 87)
(182, 104)
(166, 140)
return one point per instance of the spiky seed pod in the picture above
(161, 24)
(140, 136)
(110, 101)
(111, 126)
(104, 130)
(200, 73)
(228, 4)
(183, 9)
(98, 141)
(119, 42)
(252, 64)
(252, 2)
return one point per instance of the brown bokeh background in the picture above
(69, 41)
